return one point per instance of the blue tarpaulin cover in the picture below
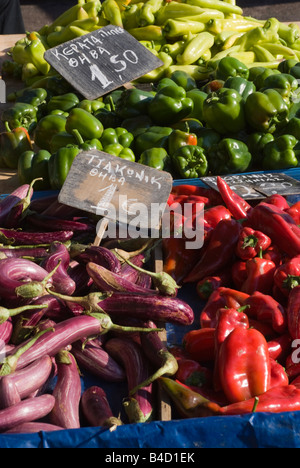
(259, 430)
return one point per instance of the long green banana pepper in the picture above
(195, 48)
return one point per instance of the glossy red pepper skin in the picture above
(200, 344)
(244, 365)
(293, 313)
(238, 207)
(277, 200)
(274, 254)
(220, 298)
(287, 275)
(213, 215)
(191, 373)
(209, 284)
(265, 308)
(278, 375)
(278, 225)
(219, 250)
(178, 261)
(276, 400)
(239, 273)
(279, 347)
(294, 212)
(260, 274)
(184, 189)
(250, 243)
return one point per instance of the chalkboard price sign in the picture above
(102, 61)
(122, 191)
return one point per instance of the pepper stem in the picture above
(256, 401)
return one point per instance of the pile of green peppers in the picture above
(241, 119)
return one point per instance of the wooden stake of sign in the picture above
(102, 61)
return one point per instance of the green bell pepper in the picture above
(286, 65)
(35, 97)
(170, 105)
(231, 66)
(256, 142)
(229, 156)
(117, 135)
(241, 85)
(118, 150)
(291, 128)
(153, 137)
(61, 139)
(108, 118)
(155, 157)
(137, 125)
(12, 144)
(281, 153)
(133, 102)
(91, 106)
(190, 162)
(198, 97)
(46, 128)
(295, 70)
(64, 102)
(266, 111)
(179, 138)
(223, 111)
(207, 137)
(20, 114)
(87, 124)
(33, 166)
(262, 75)
(284, 84)
(60, 164)
(183, 79)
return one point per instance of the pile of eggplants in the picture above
(70, 309)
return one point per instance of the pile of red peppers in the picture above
(245, 355)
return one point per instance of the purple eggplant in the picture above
(14, 272)
(144, 307)
(27, 410)
(14, 236)
(97, 254)
(138, 407)
(108, 281)
(51, 223)
(6, 330)
(94, 359)
(24, 252)
(96, 408)
(81, 278)
(67, 332)
(67, 392)
(32, 377)
(9, 394)
(130, 273)
(16, 214)
(9, 202)
(60, 210)
(144, 280)
(33, 427)
(62, 282)
(40, 204)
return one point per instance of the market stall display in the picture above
(224, 102)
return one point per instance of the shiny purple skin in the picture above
(108, 281)
(128, 272)
(9, 394)
(16, 272)
(64, 334)
(96, 409)
(34, 252)
(32, 377)
(51, 223)
(13, 236)
(102, 256)
(9, 202)
(33, 427)
(67, 393)
(94, 359)
(81, 278)
(6, 330)
(130, 355)
(148, 307)
(27, 410)
(62, 282)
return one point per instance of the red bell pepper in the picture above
(292, 366)
(219, 251)
(274, 254)
(277, 200)
(251, 243)
(238, 207)
(178, 261)
(279, 347)
(293, 313)
(278, 225)
(239, 273)
(276, 400)
(185, 189)
(265, 308)
(209, 284)
(228, 320)
(287, 276)
(191, 373)
(213, 215)
(200, 344)
(294, 212)
(244, 365)
(278, 375)
(260, 274)
(221, 297)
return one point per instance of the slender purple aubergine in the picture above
(9, 202)
(97, 254)
(33, 427)
(67, 392)
(96, 409)
(62, 281)
(20, 237)
(51, 223)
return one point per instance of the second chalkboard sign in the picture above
(102, 61)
